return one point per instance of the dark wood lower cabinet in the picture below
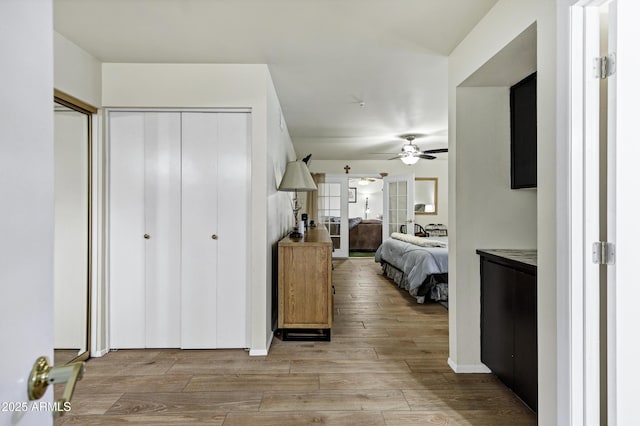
(509, 336)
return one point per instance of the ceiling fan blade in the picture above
(394, 158)
(435, 151)
(427, 157)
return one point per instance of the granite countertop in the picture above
(527, 257)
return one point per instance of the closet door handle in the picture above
(147, 236)
(214, 236)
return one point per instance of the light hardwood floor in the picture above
(386, 365)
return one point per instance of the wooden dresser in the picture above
(305, 298)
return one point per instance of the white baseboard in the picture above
(468, 368)
(262, 352)
(100, 353)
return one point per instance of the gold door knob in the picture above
(214, 236)
(43, 374)
(147, 236)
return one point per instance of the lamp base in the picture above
(295, 234)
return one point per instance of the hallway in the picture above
(385, 365)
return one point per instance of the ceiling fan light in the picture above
(410, 148)
(409, 159)
(363, 181)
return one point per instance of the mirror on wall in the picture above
(426, 196)
(72, 229)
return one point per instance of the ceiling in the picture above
(351, 75)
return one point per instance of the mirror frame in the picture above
(84, 108)
(435, 195)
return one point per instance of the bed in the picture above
(364, 234)
(419, 265)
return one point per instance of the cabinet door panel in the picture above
(304, 276)
(496, 320)
(525, 339)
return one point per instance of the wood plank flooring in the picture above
(386, 365)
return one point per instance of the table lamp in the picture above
(297, 178)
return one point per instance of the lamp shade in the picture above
(297, 178)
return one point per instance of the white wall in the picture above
(489, 214)
(279, 212)
(501, 25)
(76, 72)
(220, 86)
(424, 168)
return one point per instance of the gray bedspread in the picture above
(417, 263)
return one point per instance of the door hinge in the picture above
(603, 253)
(604, 66)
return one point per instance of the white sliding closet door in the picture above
(144, 202)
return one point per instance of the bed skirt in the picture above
(435, 286)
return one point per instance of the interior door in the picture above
(145, 229)
(26, 216)
(126, 223)
(333, 212)
(398, 211)
(199, 231)
(215, 208)
(234, 206)
(162, 140)
(179, 203)
(623, 207)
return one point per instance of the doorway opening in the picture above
(365, 215)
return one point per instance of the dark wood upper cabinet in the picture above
(524, 134)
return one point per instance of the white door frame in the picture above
(578, 173)
(578, 301)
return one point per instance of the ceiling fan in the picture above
(365, 181)
(410, 153)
